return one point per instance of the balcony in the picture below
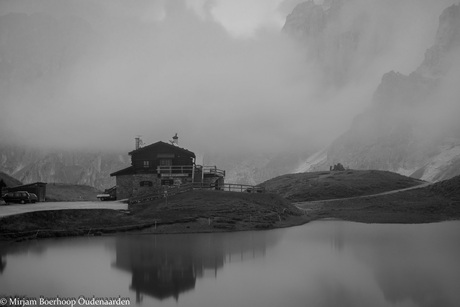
(187, 170)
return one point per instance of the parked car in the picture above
(21, 197)
(255, 189)
(33, 198)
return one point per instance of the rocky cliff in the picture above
(411, 126)
(52, 166)
(327, 41)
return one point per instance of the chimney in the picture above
(138, 142)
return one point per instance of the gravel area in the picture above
(13, 209)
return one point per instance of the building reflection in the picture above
(164, 266)
(8, 249)
(2, 263)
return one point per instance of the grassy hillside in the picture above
(9, 181)
(448, 188)
(226, 210)
(70, 192)
(434, 203)
(193, 211)
(336, 184)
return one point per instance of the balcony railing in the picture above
(188, 169)
(175, 169)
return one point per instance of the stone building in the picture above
(162, 165)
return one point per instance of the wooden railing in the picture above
(231, 187)
(212, 170)
(188, 169)
(234, 187)
(175, 169)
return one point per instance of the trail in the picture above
(304, 204)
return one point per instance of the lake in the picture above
(323, 263)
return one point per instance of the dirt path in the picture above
(19, 209)
(304, 204)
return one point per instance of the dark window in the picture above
(146, 183)
(146, 164)
(165, 162)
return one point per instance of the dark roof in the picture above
(35, 184)
(126, 171)
(163, 144)
(132, 170)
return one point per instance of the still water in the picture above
(326, 263)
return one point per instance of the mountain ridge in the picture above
(398, 132)
(61, 166)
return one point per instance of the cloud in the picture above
(219, 73)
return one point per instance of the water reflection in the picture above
(2, 263)
(327, 263)
(418, 268)
(7, 248)
(163, 266)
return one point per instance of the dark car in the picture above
(21, 197)
(255, 189)
(33, 197)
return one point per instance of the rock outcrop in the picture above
(399, 132)
(53, 166)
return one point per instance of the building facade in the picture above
(162, 165)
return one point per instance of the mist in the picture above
(221, 74)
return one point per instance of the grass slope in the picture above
(434, 203)
(194, 211)
(70, 192)
(336, 184)
(448, 188)
(9, 181)
(224, 210)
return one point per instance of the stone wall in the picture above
(124, 186)
(130, 185)
(139, 190)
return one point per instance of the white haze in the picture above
(219, 73)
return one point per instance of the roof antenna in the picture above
(175, 140)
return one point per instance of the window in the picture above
(146, 164)
(165, 162)
(146, 183)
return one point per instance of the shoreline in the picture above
(187, 227)
(191, 227)
(218, 211)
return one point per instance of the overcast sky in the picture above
(218, 72)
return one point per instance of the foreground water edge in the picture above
(326, 263)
